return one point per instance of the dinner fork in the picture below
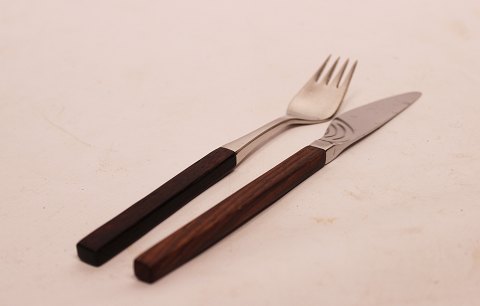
(317, 101)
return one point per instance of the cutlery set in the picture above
(316, 102)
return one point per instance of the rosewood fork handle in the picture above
(127, 227)
(210, 227)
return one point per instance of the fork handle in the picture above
(127, 227)
(216, 223)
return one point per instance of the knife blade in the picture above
(222, 219)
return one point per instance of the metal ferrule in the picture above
(331, 150)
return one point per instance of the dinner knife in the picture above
(222, 219)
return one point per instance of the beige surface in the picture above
(102, 101)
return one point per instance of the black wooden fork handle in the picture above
(117, 234)
(216, 223)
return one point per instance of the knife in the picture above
(222, 219)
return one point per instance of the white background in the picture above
(103, 101)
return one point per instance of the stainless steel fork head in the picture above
(317, 101)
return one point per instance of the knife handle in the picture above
(222, 219)
(127, 227)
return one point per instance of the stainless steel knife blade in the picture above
(350, 127)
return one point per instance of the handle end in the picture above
(89, 255)
(144, 272)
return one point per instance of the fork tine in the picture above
(327, 77)
(317, 74)
(346, 83)
(338, 77)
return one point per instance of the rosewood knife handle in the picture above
(210, 227)
(127, 227)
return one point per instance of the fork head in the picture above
(320, 98)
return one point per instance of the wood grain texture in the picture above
(127, 227)
(210, 227)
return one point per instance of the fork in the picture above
(317, 101)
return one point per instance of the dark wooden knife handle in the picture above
(127, 227)
(210, 227)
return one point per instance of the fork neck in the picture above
(245, 145)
